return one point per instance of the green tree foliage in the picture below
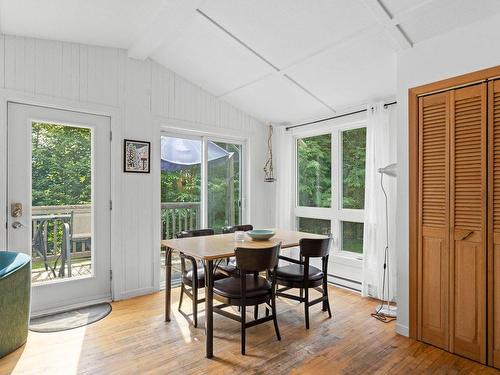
(314, 171)
(353, 168)
(182, 185)
(310, 225)
(224, 188)
(61, 165)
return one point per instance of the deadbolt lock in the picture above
(16, 210)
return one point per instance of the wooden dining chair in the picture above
(300, 274)
(193, 278)
(249, 288)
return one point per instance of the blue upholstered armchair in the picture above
(15, 287)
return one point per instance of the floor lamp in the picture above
(385, 312)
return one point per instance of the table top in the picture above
(222, 245)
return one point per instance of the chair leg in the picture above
(195, 306)
(243, 329)
(306, 306)
(275, 319)
(267, 311)
(256, 312)
(301, 293)
(180, 298)
(326, 303)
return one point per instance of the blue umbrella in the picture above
(180, 153)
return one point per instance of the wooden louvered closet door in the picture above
(494, 221)
(433, 269)
(468, 204)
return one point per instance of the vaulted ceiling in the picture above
(283, 61)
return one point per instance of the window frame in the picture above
(335, 213)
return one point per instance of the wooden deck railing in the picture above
(52, 217)
(179, 216)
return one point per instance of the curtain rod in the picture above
(334, 117)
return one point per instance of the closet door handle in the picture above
(466, 235)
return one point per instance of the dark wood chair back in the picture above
(195, 233)
(256, 260)
(315, 248)
(234, 228)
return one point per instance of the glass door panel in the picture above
(223, 184)
(181, 161)
(61, 198)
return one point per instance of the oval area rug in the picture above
(70, 319)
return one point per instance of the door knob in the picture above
(17, 225)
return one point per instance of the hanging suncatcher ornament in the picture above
(268, 167)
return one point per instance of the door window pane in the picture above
(224, 184)
(314, 171)
(352, 237)
(353, 168)
(310, 225)
(61, 170)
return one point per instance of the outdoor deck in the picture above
(83, 269)
(48, 220)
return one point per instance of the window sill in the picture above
(340, 257)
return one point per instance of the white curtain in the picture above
(380, 151)
(283, 151)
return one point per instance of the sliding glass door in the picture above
(201, 185)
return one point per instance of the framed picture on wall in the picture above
(136, 156)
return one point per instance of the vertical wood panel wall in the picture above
(146, 95)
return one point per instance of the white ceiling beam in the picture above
(163, 26)
(384, 18)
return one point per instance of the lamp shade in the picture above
(390, 170)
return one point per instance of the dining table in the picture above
(210, 251)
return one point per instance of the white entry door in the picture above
(58, 200)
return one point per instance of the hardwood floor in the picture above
(134, 339)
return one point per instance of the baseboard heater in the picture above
(344, 282)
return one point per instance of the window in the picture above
(353, 168)
(317, 226)
(314, 171)
(330, 186)
(352, 237)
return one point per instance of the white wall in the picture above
(460, 51)
(140, 97)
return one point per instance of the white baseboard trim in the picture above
(71, 306)
(402, 330)
(135, 293)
